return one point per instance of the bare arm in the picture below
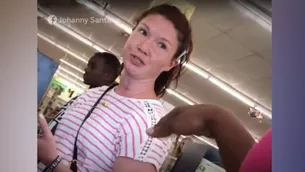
(123, 164)
(61, 167)
(232, 138)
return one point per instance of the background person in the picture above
(102, 69)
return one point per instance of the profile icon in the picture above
(52, 19)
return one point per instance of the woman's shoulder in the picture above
(93, 92)
(145, 113)
(151, 107)
(96, 90)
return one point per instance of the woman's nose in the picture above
(86, 69)
(144, 47)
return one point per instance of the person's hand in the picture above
(188, 120)
(47, 151)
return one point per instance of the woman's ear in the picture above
(174, 63)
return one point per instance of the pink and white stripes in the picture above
(118, 129)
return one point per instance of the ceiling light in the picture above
(264, 21)
(71, 80)
(197, 70)
(99, 49)
(120, 24)
(230, 90)
(62, 48)
(70, 73)
(181, 97)
(72, 66)
(73, 33)
(111, 17)
(264, 111)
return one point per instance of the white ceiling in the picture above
(228, 44)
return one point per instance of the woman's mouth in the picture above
(136, 60)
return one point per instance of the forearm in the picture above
(233, 140)
(61, 167)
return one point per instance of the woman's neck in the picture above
(133, 88)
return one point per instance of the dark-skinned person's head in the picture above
(102, 69)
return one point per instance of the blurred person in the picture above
(113, 138)
(102, 69)
(237, 148)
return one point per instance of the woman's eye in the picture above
(142, 31)
(162, 45)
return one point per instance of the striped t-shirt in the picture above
(116, 128)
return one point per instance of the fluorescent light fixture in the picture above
(62, 48)
(73, 33)
(181, 97)
(71, 65)
(119, 23)
(264, 21)
(233, 92)
(99, 49)
(70, 73)
(111, 17)
(197, 70)
(71, 80)
(264, 111)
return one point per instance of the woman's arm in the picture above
(61, 167)
(47, 152)
(136, 151)
(124, 164)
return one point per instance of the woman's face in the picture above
(150, 48)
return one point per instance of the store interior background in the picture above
(231, 64)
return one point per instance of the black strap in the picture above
(73, 166)
(54, 164)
